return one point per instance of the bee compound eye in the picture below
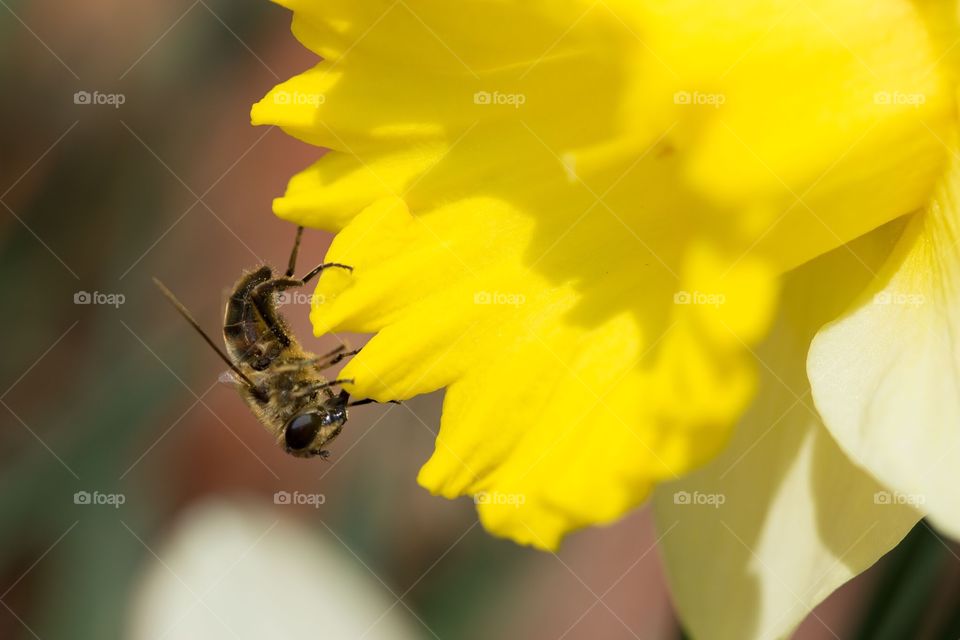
(301, 430)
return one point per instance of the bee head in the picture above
(306, 432)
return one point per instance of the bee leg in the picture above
(319, 269)
(321, 363)
(292, 263)
(325, 361)
(371, 401)
(323, 454)
(262, 298)
(331, 383)
(334, 352)
(337, 358)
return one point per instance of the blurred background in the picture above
(137, 494)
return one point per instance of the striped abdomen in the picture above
(248, 338)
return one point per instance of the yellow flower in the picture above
(604, 227)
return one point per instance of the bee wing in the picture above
(229, 377)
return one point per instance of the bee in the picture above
(281, 382)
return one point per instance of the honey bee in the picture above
(280, 381)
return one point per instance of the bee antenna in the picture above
(193, 323)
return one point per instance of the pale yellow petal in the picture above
(760, 536)
(886, 375)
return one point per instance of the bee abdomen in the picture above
(242, 328)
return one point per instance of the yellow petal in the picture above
(765, 532)
(550, 378)
(331, 191)
(539, 223)
(796, 158)
(885, 375)
(804, 110)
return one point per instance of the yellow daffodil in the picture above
(612, 230)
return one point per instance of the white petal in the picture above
(238, 571)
